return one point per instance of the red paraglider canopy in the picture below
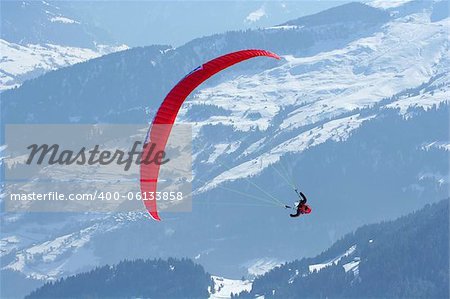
(168, 111)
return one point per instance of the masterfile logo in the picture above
(57, 168)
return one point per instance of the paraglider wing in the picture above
(167, 113)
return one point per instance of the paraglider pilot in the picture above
(300, 205)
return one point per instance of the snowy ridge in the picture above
(284, 27)
(387, 4)
(63, 20)
(444, 145)
(335, 261)
(352, 265)
(222, 149)
(19, 63)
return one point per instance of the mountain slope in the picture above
(347, 13)
(23, 62)
(44, 22)
(229, 228)
(404, 258)
(170, 65)
(39, 36)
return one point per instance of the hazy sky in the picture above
(138, 23)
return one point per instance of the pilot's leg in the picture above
(296, 214)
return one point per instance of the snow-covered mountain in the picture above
(38, 36)
(355, 112)
(22, 62)
(322, 93)
(42, 22)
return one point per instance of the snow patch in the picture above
(439, 178)
(444, 145)
(285, 27)
(335, 261)
(352, 266)
(386, 4)
(63, 20)
(223, 287)
(262, 266)
(256, 15)
(8, 244)
(221, 149)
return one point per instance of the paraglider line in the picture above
(282, 176)
(287, 173)
(244, 194)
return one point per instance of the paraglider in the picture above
(168, 111)
(300, 206)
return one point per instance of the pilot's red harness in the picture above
(305, 209)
